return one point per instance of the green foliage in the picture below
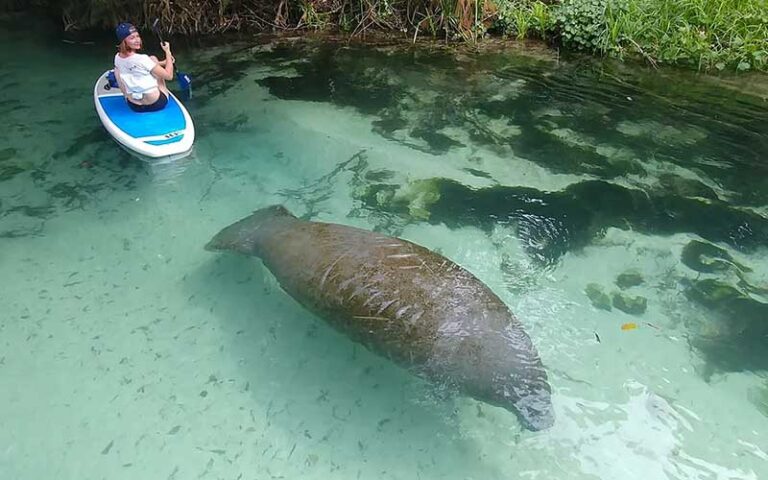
(703, 34)
(706, 34)
(524, 18)
(582, 24)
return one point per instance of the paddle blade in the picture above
(112, 79)
(185, 82)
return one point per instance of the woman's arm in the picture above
(164, 69)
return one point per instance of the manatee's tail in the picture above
(245, 236)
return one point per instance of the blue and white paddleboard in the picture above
(167, 134)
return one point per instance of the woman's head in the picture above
(129, 38)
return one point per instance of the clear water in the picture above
(127, 351)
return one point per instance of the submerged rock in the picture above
(598, 297)
(630, 278)
(629, 304)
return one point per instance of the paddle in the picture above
(184, 80)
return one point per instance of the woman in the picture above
(141, 77)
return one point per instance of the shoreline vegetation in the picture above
(705, 35)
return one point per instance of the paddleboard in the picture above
(166, 134)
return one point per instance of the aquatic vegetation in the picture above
(553, 223)
(759, 398)
(7, 172)
(73, 195)
(94, 136)
(661, 133)
(707, 258)
(556, 118)
(23, 220)
(686, 187)
(736, 333)
(738, 341)
(324, 80)
(313, 194)
(7, 154)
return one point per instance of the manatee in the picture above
(404, 302)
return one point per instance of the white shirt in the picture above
(135, 73)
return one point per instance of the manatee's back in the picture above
(390, 294)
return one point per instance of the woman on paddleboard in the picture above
(141, 77)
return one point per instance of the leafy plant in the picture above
(582, 24)
(524, 18)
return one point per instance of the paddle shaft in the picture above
(159, 35)
(184, 84)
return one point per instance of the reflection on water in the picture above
(621, 214)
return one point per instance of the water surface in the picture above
(620, 213)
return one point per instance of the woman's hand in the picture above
(168, 55)
(164, 69)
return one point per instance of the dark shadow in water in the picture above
(553, 223)
(717, 133)
(325, 78)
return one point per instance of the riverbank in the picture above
(705, 35)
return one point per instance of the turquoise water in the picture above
(621, 214)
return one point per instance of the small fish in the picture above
(597, 337)
(108, 448)
(629, 326)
